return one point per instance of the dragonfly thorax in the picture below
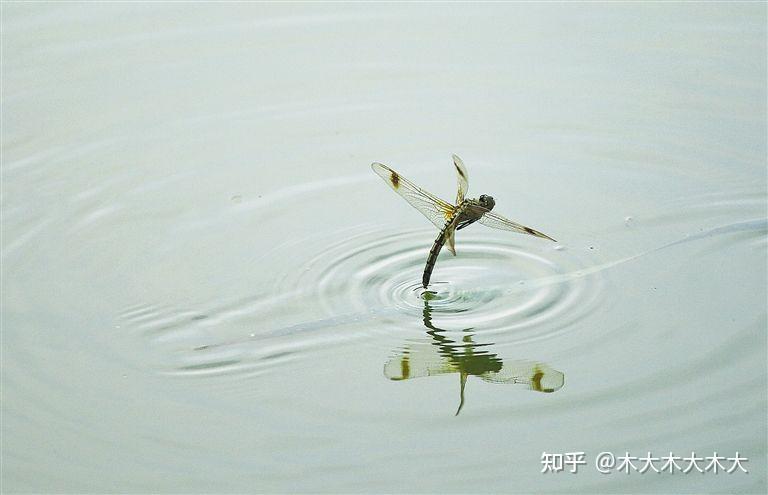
(470, 211)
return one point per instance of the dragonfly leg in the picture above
(465, 223)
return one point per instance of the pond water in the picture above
(205, 288)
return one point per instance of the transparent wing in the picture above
(418, 360)
(435, 209)
(536, 376)
(463, 179)
(450, 239)
(496, 221)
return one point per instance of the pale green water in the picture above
(206, 289)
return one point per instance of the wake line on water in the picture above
(303, 328)
(756, 225)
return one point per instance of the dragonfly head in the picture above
(486, 201)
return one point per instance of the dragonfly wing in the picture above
(416, 361)
(463, 179)
(435, 209)
(536, 376)
(450, 239)
(496, 221)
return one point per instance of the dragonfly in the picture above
(450, 217)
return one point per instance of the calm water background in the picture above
(206, 288)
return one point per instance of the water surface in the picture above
(206, 289)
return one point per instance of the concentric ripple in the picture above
(514, 289)
(493, 285)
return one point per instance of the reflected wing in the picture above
(536, 376)
(495, 221)
(418, 360)
(435, 209)
(463, 179)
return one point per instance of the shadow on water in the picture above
(441, 355)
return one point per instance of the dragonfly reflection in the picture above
(447, 217)
(440, 355)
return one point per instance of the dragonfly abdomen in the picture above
(432, 258)
(438, 245)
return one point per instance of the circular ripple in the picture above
(493, 286)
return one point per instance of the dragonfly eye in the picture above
(487, 202)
